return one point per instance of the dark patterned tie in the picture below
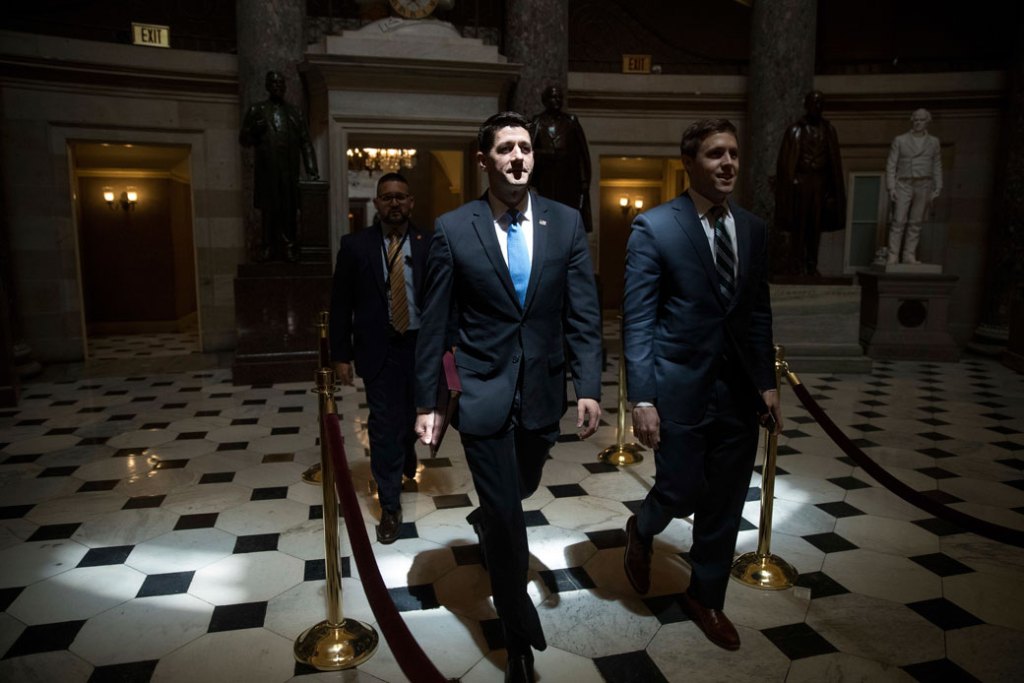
(725, 255)
(396, 277)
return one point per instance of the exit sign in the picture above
(636, 64)
(151, 35)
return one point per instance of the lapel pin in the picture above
(542, 222)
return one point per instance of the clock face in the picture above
(413, 9)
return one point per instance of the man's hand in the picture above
(892, 195)
(771, 399)
(647, 426)
(588, 416)
(343, 373)
(425, 424)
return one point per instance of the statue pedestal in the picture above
(904, 316)
(817, 323)
(909, 268)
(277, 307)
(314, 222)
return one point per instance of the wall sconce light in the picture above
(628, 208)
(126, 201)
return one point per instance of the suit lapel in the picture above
(483, 223)
(694, 230)
(541, 236)
(374, 256)
(419, 247)
(744, 250)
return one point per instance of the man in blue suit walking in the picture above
(509, 276)
(697, 334)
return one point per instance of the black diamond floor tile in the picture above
(256, 543)
(99, 557)
(270, 493)
(608, 538)
(534, 518)
(1009, 445)
(8, 595)
(316, 512)
(600, 467)
(944, 614)
(939, 670)
(567, 490)
(129, 672)
(54, 532)
(412, 598)
(98, 485)
(45, 638)
(939, 527)
(15, 511)
(217, 478)
(849, 483)
(820, 584)
(452, 500)
(839, 509)
(467, 554)
(141, 502)
(829, 542)
(566, 580)
(204, 520)
(942, 564)
(629, 667)
(941, 497)
(797, 641)
(666, 608)
(936, 453)
(936, 472)
(175, 464)
(165, 584)
(237, 617)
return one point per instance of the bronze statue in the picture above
(913, 176)
(561, 157)
(810, 194)
(279, 135)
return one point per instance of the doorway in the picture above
(136, 253)
(629, 185)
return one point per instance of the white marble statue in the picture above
(913, 176)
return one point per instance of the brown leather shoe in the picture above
(713, 622)
(390, 525)
(637, 559)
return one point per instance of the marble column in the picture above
(1003, 273)
(536, 37)
(782, 48)
(270, 37)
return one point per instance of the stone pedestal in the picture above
(904, 316)
(817, 323)
(277, 307)
(314, 224)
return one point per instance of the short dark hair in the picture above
(389, 178)
(505, 119)
(699, 131)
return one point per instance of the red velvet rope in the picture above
(974, 525)
(408, 653)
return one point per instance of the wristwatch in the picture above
(413, 9)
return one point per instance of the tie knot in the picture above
(514, 217)
(715, 213)
(394, 236)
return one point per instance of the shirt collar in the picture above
(702, 203)
(499, 208)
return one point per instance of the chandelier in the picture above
(388, 160)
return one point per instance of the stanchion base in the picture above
(768, 572)
(329, 647)
(313, 475)
(626, 454)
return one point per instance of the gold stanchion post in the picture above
(761, 568)
(622, 453)
(312, 475)
(335, 643)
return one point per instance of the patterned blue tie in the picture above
(518, 256)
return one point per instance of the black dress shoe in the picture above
(519, 669)
(713, 622)
(637, 559)
(390, 524)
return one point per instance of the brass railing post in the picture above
(336, 643)
(622, 453)
(312, 475)
(761, 568)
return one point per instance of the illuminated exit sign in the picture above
(636, 64)
(151, 35)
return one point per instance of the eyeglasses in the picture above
(393, 197)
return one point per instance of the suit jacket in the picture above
(677, 327)
(360, 315)
(469, 299)
(911, 157)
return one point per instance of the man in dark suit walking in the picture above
(697, 334)
(510, 276)
(375, 316)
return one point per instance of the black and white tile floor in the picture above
(156, 528)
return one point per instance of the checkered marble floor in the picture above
(157, 345)
(156, 528)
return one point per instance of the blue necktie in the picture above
(725, 256)
(518, 256)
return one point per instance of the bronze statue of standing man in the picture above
(810, 193)
(277, 132)
(561, 157)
